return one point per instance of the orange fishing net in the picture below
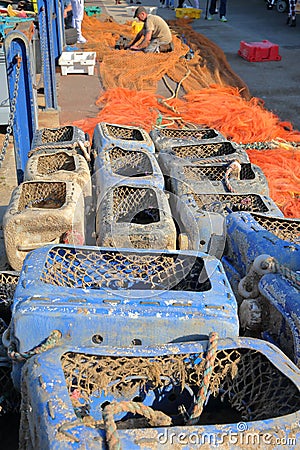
(282, 169)
(214, 97)
(142, 71)
(225, 110)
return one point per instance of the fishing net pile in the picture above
(212, 96)
(142, 71)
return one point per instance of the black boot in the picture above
(288, 20)
(293, 23)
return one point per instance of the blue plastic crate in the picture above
(119, 165)
(164, 138)
(210, 178)
(269, 302)
(253, 400)
(248, 238)
(108, 135)
(99, 296)
(280, 303)
(250, 235)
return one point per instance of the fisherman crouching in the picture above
(156, 35)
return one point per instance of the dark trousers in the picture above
(222, 8)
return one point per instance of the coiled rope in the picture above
(156, 419)
(204, 386)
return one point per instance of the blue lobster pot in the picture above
(101, 296)
(250, 235)
(109, 135)
(269, 306)
(252, 398)
(280, 303)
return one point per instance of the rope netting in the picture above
(122, 68)
(214, 97)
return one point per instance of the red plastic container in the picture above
(259, 51)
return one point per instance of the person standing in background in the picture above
(291, 20)
(78, 12)
(213, 10)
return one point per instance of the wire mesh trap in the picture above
(130, 163)
(230, 202)
(42, 195)
(99, 269)
(246, 382)
(283, 228)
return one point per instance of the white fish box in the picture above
(131, 10)
(77, 62)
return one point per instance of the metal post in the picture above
(49, 51)
(21, 94)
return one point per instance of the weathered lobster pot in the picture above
(202, 217)
(74, 397)
(164, 138)
(278, 318)
(68, 138)
(217, 178)
(41, 213)
(107, 135)
(99, 296)
(227, 202)
(264, 272)
(121, 165)
(200, 230)
(60, 166)
(136, 216)
(250, 235)
(207, 152)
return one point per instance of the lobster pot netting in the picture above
(129, 163)
(216, 173)
(204, 150)
(126, 133)
(129, 203)
(198, 133)
(244, 379)
(86, 269)
(237, 202)
(44, 195)
(286, 229)
(48, 164)
(62, 134)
